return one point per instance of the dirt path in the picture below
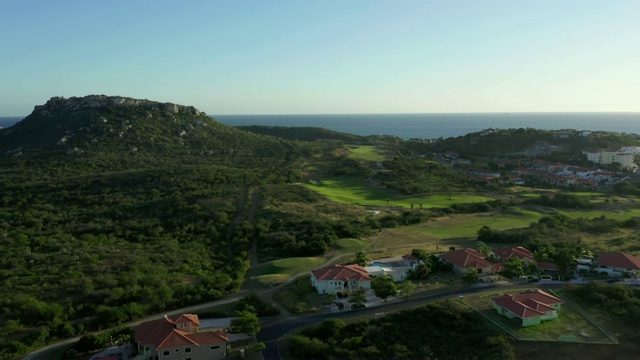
(256, 200)
(241, 204)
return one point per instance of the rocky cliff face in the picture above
(96, 101)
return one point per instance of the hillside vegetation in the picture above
(114, 208)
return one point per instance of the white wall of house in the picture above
(334, 286)
(208, 352)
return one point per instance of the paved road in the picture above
(272, 332)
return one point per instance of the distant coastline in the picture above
(429, 126)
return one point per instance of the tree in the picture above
(421, 271)
(565, 260)
(513, 268)
(383, 287)
(420, 254)
(247, 321)
(470, 276)
(357, 298)
(406, 288)
(482, 248)
(361, 258)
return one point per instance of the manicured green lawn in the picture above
(587, 193)
(468, 226)
(368, 153)
(350, 245)
(358, 191)
(622, 213)
(279, 271)
(569, 323)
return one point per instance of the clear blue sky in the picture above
(307, 56)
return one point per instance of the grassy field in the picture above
(368, 153)
(569, 323)
(358, 191)
(458, 230)
(617, 213)
(350, 245)
(279, 271)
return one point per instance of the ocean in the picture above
(429, 126)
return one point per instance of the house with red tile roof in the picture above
(178, 337)
(337, 278)
(618, 263)
(465, 259)
(530, 307)
(514, 252)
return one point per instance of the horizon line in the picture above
(407, 113)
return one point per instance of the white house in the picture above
(337, 278)
(618, 263)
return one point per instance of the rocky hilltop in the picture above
(108, 127)
(57, 103)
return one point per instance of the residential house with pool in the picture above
(397, 267)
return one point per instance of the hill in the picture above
(118, 132)
(112, 208)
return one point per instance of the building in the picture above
(609, 157)
(397, 267)
(465, 259)
(338, 278)
(616, 264)
(530, 307)
(518, 252)
(179, 338)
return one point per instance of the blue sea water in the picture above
(429, 126)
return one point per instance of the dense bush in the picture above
(443, 334)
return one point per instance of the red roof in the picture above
(528, 303)
(546, 266)
(409, 257)
(619, 260)
(163, 334)
(341, 272)
(519, 252)
(466, 258)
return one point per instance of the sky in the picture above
(325, 57)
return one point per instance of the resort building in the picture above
(609, 157)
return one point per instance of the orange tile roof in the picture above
(619, 260)
(162, 333)
(341, 272)
(466, 258)
(519, 251)
(528, 303)
(188, 318)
